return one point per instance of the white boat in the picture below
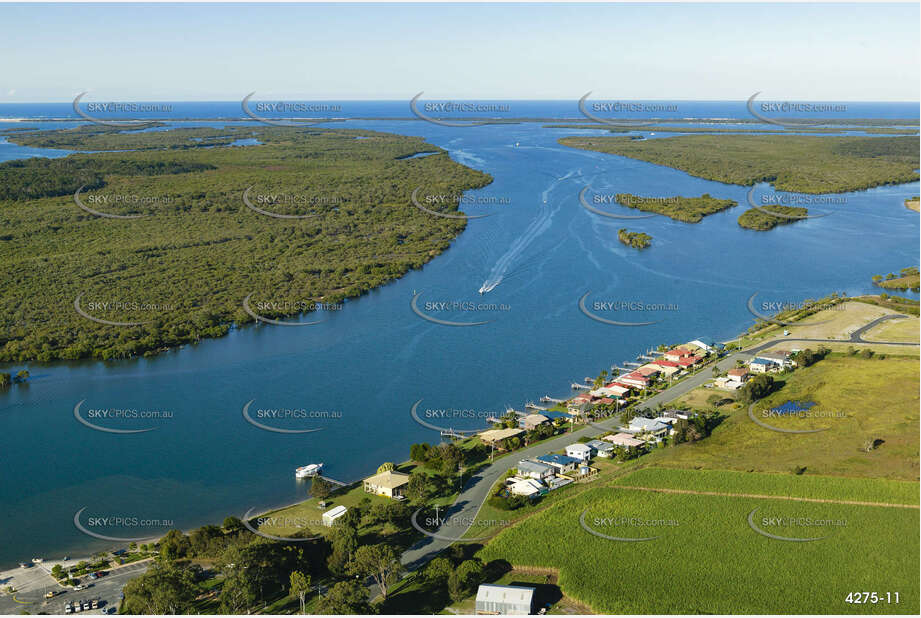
(308, 471)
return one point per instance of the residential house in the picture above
(762, 365)
(390, 484)
(737, 375)
(494, 600)
(708, 348)
(330, 516)
(780, 357)
(533, 421)
(580, 451)
(602, 448)
(634, 379)
(492, 436)
(677, 414)
(562, 463)
(623, 440)
(527, 487)
(642, 427)
(534, 470)
(689, 361)
(668, 368)
(677, 354)
(649, 370)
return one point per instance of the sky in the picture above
(210, 52)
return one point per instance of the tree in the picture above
(57, 571)
(300, 586)
(344, 541)
(417, 490)
(345, 598)
(5, 379)
(380, 562)
(465, 578)
(387, 466)
(232, 524)
(438, 571)
(320, 488)
(756, 388)
(164, 589)
(174, 545)
(419, 452)
(202, 540)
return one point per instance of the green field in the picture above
(789, 485)
(876, 399)
(183, 268)
(790, 162)
(707, 559)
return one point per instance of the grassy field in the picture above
(790, 485)
(906, 329)
(707, 559)
(790, 162)
(878, 399)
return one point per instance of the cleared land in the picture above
(744, 572)
(791, 162)
(906, 329)
(864, 399)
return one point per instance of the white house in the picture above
(604, 449)
(582, 452)
(648, 426)
(526, 487)
(562, 463)
(330, 516)
(624, 440)
(535, 470)
(510, 600)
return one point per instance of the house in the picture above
(534, 470)
(677, 354)
(708, 348)
(330, 516)
(762, 365)
(737, 375)
(624, 440)
(527, 487)
(555, 482)
(648, 427)
(688, 361)
(390, 484)
(666, 420)
(649, 370)
(582, 452)
(605, 401)
(561, 463)
(667, 368)
(604, 449)
(634, 379)
(491, 436)
(780, 357)
(727, 384)
(677, 414)
(494, 600)
(533, 421)
(610, 390)
(578, 403)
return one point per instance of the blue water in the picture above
(791, 407)
(375, 358)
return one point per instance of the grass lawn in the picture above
(706, 558)
(906, 329)
(877, 398)
(790, 485)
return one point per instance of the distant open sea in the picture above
(515, 109)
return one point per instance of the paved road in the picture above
(463, 512)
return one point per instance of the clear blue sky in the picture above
(149, 52)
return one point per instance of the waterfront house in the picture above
(689, 361)
(561, 463)
(532, 421)
(580, 451)
(494, 600)
(602, 448)
(534, 470)
(330, 516)
(389, 484)
(780, 357)
(649, 370)
(634, 379)
(676, 354)
(708, 348)
(667, 368)
(623, 440)
(492, 436)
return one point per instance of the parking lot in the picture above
(32, 583)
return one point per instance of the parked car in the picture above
(79, 587)
(68, 608)
(95, 603)
(93, 576)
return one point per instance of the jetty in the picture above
(533, 406)
(549, 399)
(576, 385)
(632, 364)
(621, 369)
(333, 481)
